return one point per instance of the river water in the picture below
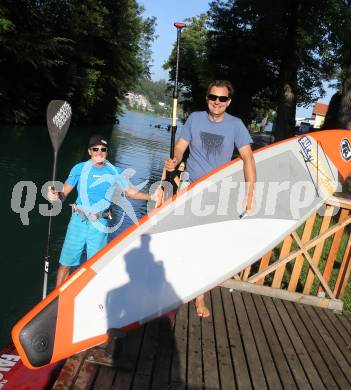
(27, 155)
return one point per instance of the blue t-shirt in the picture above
(96, 185)
(212, 143)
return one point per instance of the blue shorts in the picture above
(81, 235)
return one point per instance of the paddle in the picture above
(58, 118)
(170, 175)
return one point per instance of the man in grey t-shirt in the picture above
(211, 137)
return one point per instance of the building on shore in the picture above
(319, 113)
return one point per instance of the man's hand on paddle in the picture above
(52, 195)
(171, 164)
(179, 149)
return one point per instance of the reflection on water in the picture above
(27, 155)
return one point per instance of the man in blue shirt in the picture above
(97, 180)
(211, 137)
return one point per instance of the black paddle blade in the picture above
(58, 118)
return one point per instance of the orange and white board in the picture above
(195, 241)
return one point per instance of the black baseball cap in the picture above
(97, 140)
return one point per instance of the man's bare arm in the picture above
(249, 174)
(134, 194)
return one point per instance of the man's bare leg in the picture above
(201, 309)
(62, 274)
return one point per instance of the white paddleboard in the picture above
(188, 246)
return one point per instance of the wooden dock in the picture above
(250, 341)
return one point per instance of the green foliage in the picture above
(339, 112)
(193, 70)
(90, 53)
(277, 54)
(155, 92)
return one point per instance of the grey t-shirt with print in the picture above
(212, 143)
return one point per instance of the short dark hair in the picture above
(221, 83)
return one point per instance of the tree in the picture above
(89, 53)
(344, 111)
(277, 50)
(277, 55)
(193, 71)
(339, 111)
(28, 53)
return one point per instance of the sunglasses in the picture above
(213, 98)
(102, 149)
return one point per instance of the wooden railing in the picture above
(312, 265)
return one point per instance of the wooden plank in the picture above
(331, 363)
(86, 376)
(142, 376)
(211, 375)
(253, 359)
(306, 361)
(163, 361)
(127, 359)
(296, 272)
(328, 339)
(333, 304)
(279, 273)
(336, 331)
(334, 249)
(69, 371)
(318, 250)
(288, 348)
(225, 366)
(194, 369)
(267, 360)
(345, 323)
(246, 274)
(339, 202)
(242, 375)
(344, 272)
(311, 347)
(104, 378)
(179, 357)
(264, 263)
(273, 342)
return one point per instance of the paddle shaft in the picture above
(47, 255)
(58, 118)
(175, 92)
(179, 26)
